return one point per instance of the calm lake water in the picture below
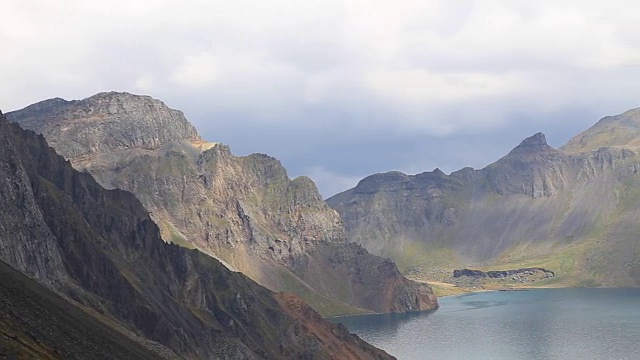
(586, 324)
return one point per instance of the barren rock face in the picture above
(29, 243)
(532, 168)
(106, 122)
(100, 248)
(244, 211)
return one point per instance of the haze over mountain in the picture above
(574, 210)
(101, 251)
(244, 211)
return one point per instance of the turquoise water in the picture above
(585, 324)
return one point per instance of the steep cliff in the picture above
(573, 211)
(532, 168)
(244, 211)
(101, 250)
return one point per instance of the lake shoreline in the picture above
(522, 324)
(444, 289)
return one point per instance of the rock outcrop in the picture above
(571, 210)
(244, 211)
(132, 122)
(499, 274)
(532, 168)
(101, 250)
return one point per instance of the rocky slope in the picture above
(101, 250)
(244, 211)
(36, 323)
(573, 211)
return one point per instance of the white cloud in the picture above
(413, 56)
(197, 70)
(144, 83)
(407, 67)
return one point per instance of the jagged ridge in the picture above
(243, 210)
(102, 250)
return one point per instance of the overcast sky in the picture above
(338, 90)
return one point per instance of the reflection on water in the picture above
(483, 304)
(387, 324)
(539, 324)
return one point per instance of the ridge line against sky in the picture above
(338, 90)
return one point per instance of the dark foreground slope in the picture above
(100, 248)
(36, 323)
(574, 210)
(245, 211)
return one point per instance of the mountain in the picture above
(245, 211)
(102, 253)
(36, 323)
(573, 210)
(612, 131)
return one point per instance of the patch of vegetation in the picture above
(444, 289)
(415, 258)
(567, 263)
(609, 134)
(175, 237)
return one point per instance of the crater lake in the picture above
(587, 324)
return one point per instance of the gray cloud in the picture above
(339, 89)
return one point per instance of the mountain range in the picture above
(86, 275)
(150, 238)
(573, 210)
(244, 211)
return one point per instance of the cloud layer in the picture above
(339, 89)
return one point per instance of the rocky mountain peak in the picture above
(532, 144)
(245, 211)
(537, 139)
(438, 172)
(388, 181)
(106, 122)
(134, 296)
(532, 168)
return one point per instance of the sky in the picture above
(339, 90)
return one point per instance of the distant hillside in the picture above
(575, 211)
